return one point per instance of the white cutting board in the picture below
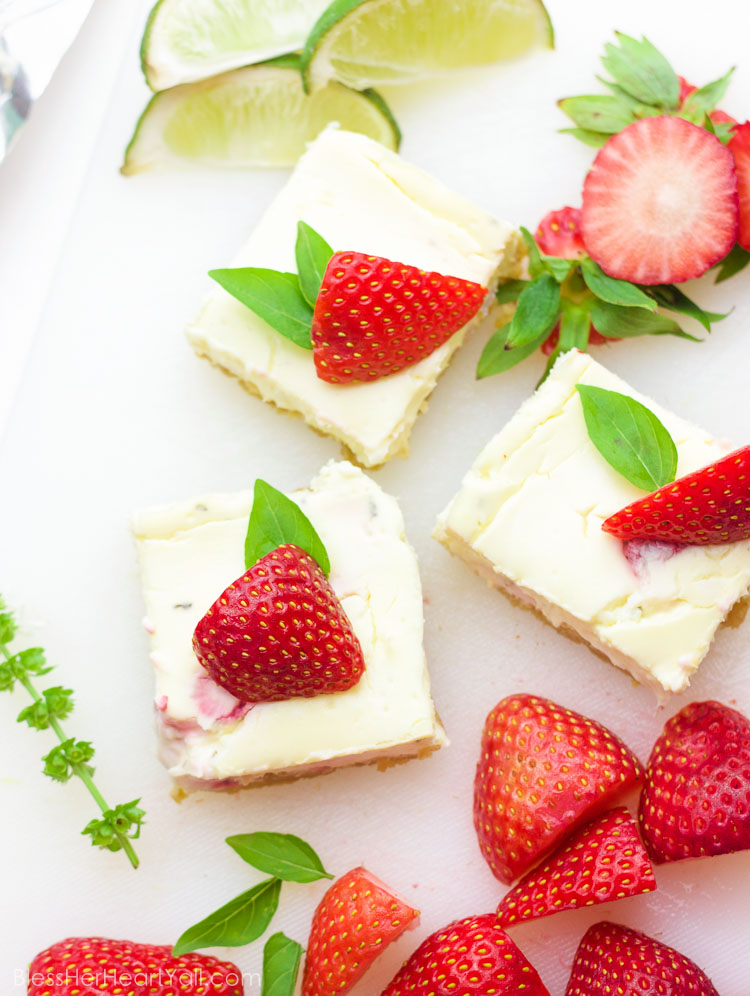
(115, 413)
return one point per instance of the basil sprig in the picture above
(274, 520)
(247, 917)
(285, 301)
(629, 437)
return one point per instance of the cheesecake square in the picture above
(360, 196)
(190, 552)
(528, 519)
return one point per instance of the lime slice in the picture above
(367, 42)
(256, 116)
(187, 40)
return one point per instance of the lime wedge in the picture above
(368, 42)
(256, 116)
(187, 40)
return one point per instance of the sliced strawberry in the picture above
(559, 234)
(696, 795)
(739, 146)
(82, 965)
(660, 202)
(601, 862)
(471, 957)
(355, 922)
(612, 959)
(373, 317)
(543, 771)
(711, 505)
(279, 632)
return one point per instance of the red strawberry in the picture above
(603, 861)
(355, 922)
(469, 957)
(559, 234)
(739, 146)
(542, 772)
(279, 632)
(711, 505)
(660, 202)
(373, 317)
(615, 959)
(717, 116)
(696, 795)
(83, 965)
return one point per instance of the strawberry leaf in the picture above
(510, 290)
(280, 854)
(313, 254)
(497, 356)
(642, 72)
(600, 113)
(735, 261)
(275, 297)
(615, 322)
(593, 138)
(536, 312)
(240, 921)
(703, 100)
(612, 290)
(672, 298)
(281, 960)
(275, 520)
(629, 437)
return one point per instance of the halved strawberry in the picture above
(739, 146)
(543, 770)
(374, 317)
(660, 202)
(279, 632)
(471, 957)
(601, 862)
(559, 234)
(356, 920)
(612, 959)
(82, 965)
(696, 794)
(711, 505)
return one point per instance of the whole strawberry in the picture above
(279, 632)
(542, 771)
(711, 505)
(612, 959)
(374, 317)
(601, 862)
(356, 920)
(696, 794)
(471, 957)
(80, 966)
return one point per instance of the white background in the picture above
(113, 413)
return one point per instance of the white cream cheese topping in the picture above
(359, 196)
(529, 515)
(190, 553)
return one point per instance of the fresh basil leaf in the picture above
(536, 312)
(540, 263)
(600, 113)
(672, 298)
(536, 267)
(703, 100)
(629, 437)
(281, 959)
(238, 922)
(615, 322)
(559, 268)
(497, 356)
(281, 854)
(275, 297)
(736, 259)
(575, 324)
(313, 254)
(593, 138)
(510, 291)
(275, 520)
(642, 71)
(612, 290)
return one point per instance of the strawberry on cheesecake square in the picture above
(528, 518)
(189, 553)
(363, 198)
